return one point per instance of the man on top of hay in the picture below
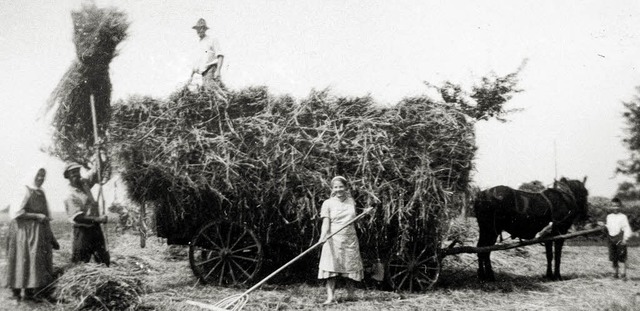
(83, 211)
(208, 58)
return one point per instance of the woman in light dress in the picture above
(340, 255)
(30, 240)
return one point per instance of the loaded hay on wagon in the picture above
(258, 166)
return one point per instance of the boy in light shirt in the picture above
(619, 231)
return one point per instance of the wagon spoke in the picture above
(241, 269)
(212, 242)
(208, 260)
(422, 253)
(238, 240)
(398, 265)
(421, 276)
(219, 235)
(425, 261)
(212, 269)
(245, 258)
(403, 280)
(233, 275)
(245, 248)
(229, 236)
(398, 274)
(221, 274)
(411, 283)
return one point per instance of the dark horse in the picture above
(525, 214)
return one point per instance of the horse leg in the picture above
(485, 272)
(487, 238)
(548, 247)
(558, 254)
(481, 273)
(489, 271)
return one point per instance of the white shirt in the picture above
(619, 222)
(207, 54)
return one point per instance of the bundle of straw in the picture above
(95, 287)
(97, 32)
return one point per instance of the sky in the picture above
(582, 63)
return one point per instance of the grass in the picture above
(588, 283)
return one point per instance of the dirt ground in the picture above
(588, 283)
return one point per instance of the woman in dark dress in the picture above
(30, 240)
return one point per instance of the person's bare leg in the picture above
(331, 288)
(624, 270)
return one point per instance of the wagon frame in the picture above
(224, 252)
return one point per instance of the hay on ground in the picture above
(96, 287)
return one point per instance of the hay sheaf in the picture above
(266, 161)
(95, 287)
(97, 33)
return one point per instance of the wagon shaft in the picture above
(485, 249)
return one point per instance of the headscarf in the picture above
(21, 195)
(344, 182)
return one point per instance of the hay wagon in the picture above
(241, 180)
(229, 252)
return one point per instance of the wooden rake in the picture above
(238, 301)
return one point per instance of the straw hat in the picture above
(201, 24)
(70, 167)
(341, 179)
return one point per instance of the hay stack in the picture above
(266, 161)
(97, 32)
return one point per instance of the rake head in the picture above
(231, 303)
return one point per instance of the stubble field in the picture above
(588, 283)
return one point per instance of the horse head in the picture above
(579, 193)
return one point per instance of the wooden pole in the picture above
(96, 144)
(485, 249)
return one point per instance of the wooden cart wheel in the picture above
(415, 269)
(225, 254)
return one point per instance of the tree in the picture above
(631, 166)
(627, 191)
(485, 100)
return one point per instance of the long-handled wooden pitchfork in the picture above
(96, 142)
(237, 302)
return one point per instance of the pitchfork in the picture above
(237, 302)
